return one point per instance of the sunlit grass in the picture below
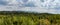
(29, 19)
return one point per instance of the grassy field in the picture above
(24, 18)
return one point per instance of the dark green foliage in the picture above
(28, 18)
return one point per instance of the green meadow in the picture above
(25, 18)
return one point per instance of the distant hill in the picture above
(20, 12)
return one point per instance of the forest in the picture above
(28, 18)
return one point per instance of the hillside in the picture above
(28, 18)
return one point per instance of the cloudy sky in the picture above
(41, 6)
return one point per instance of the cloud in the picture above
(25, 1)
(49, 6)
(30, 4)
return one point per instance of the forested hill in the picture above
(21, 12)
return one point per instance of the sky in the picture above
(40, 6)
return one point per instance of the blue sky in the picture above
(41, 6)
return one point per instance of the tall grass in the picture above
(29, 19)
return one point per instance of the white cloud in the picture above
(49, 6)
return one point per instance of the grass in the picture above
(22, 18)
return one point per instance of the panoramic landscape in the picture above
(29, 12)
